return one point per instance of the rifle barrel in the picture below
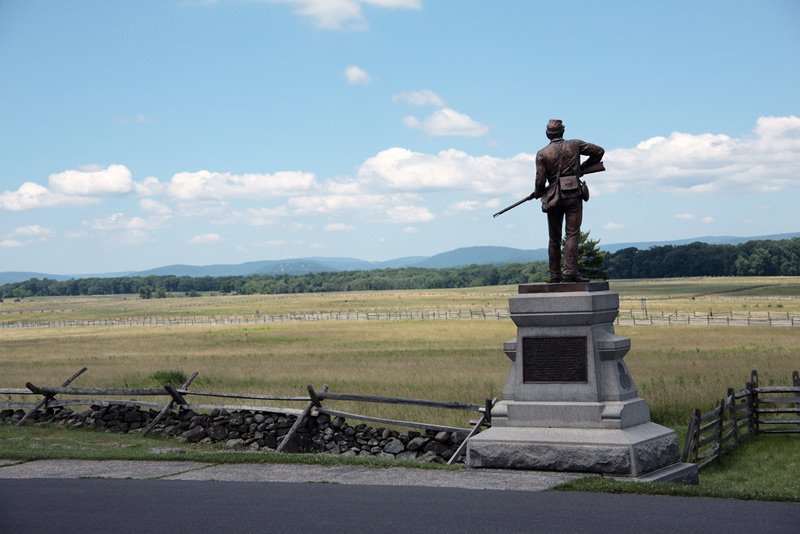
(597, 167)
(514, 205)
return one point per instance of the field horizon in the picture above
(676, 368)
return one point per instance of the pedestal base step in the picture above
(680, 473)
(633, 453)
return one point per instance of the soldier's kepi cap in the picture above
(555, 126)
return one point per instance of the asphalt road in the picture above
(125, 506)
(69, 496)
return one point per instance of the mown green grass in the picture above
(49, 442)
(763, 468)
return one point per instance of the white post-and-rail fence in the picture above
(266, 318)
(177, 400)
(754, 410)
(625, 317)
(730, 318)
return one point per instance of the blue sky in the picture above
(148, 133)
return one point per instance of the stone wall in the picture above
(243, 429)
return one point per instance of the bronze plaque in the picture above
(554, 359)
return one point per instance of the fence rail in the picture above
(625, 317)
(732, 318)
(343, 315)
(739, 416)
(177, 399)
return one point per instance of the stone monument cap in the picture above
(563, 288)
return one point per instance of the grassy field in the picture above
(676, 368)
(763, 468)
(720, 295)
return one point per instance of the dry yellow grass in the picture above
(676, 368)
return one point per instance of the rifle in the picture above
(597, 167)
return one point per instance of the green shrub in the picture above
(174, 377)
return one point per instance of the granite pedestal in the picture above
(569, 403)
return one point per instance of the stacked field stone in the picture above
(248, 430)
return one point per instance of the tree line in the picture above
(382, 279)
(754, 258)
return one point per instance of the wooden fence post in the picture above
(166, 407)
(732, 408)
(719, 430)
(176, 397)
(754, 400)
(690, 446)
(46, 398)
(475, 429)
(302, 417)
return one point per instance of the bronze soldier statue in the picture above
(558, 185)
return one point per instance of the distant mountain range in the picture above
(482, 255)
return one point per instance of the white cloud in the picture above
(119, 221)
(411, 122)
(215, 185)
(748, 221)
(76, 234)
(34, 196)
(258, 216)
(410, 230)
(153, 206)
(402, 169)
(346, 187)
(465, 205)
(689, 164)
(83, 187)
(204, 239)
(613, 226)
(424, 97)
(708, 220)
(409, 214)
(356, 76)
(334, 203)
(115, 180)
(344, 14)
(10, 243)
(337, 227)
(33, 230)
(148, 187)
(684, 216)
(318, 245)
(121, 230)
(445, 122)
(203, 209)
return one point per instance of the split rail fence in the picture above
(178, 400)
(753, 410)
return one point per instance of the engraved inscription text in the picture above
(554, 359)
